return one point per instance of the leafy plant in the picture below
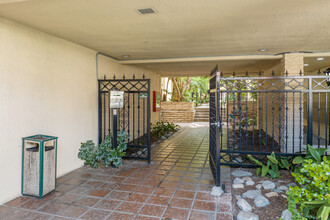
(87, 152)
(311, 199)
(273, 165)
(323, 207)
(161, 128)
(104, 153)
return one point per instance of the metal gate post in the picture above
(114, 127)
(218, 126)
(148, 122)
(99, 130)
(310, 113)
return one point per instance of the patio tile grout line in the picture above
(140, 184)
(158, 184)
(181, 182)
(193, 203)
(122, 201)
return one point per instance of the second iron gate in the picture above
(134, 117)
(258, 115)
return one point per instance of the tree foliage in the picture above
(183, 87)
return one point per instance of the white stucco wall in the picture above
(47, 86)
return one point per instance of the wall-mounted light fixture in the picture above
(327, 73)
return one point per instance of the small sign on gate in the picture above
(143, 95)
(116, 99)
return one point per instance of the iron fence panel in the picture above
(133, 118)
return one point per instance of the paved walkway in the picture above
(176, 185)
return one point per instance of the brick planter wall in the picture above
(178, 111)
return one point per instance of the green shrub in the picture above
(161, 128)
(273, 165)
(104, 153)
(310, 200)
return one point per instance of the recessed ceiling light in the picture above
(320, 58)
(144, 11)
(262, 50)
(126, 56)
(306, 64)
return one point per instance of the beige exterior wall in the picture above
(47, 86)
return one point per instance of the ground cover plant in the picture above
(272, 166)
(104, 154)
(311, 199)
(162, 128)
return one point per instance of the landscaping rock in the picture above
(240, 173)
(238, 197)
(246, 178)
(249, 183)
(216, 191)
(292, 184)
(238, 186)
(163, 137)
(238, 181)
(284, 196)
(258, 186)
(242, 215)
(284, 188)
(277, 190)
(251, 194)
(286, 215)
(271, 194)
(268, 184)
(261, 201)
(244, 205)
(238, 160)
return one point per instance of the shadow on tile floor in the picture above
(176, 185)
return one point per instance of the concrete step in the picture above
(201, 116)
(202, 113)
(201, 119)
(202, 109)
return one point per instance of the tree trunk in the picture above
(176, 91)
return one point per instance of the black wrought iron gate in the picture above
(134, 117)
(257, 115)
(215, 125)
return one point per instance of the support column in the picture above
(293, 105)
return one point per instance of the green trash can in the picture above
(39, 160)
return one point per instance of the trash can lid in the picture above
(40, 137)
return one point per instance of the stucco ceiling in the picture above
(314, 65)
(203, 68)
(181, 28)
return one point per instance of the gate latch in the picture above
(217, 124)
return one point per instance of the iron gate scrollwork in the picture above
(258, 115)
(133, 118)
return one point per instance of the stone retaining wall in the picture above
(178, 112)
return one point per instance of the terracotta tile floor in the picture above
(176, 185)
